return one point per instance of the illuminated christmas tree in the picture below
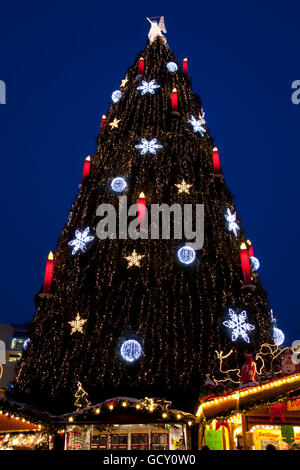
(145, 317)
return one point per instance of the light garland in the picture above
(237, 394)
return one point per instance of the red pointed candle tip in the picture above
(216, 161)
(141, 66)
(141, 210)
(174, 99)
(245, 264)
(103, 121)
(48, 274)
(86, 168)
(250, 248)
(185, 66)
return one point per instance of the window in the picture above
(159, 441)
(139, 441)
(118, 441)
(17, 343)
(14, 357)
(99, 441)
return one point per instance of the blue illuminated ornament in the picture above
(118, 184)
(278, 336)
(25, 344)
(80, 240)
(172, 67)
(131, 350)
(116, 96)
(255, 264)
(148, 146)
(186, 255)
(238, 324)
(148, 87)
(232, 225)
(198, 125)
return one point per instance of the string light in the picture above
(249, 391)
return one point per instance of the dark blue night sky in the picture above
(62, 60)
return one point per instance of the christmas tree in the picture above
(145, 317)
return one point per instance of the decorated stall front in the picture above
(23, 427)
(124, 423)
(253, 417)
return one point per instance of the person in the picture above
(270, 448)
(205, 448)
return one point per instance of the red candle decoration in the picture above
(141, 210)
(86, 167)
(250, 248)
(174, 99)
(48, 274)
(141, 66)
(216, 161)
(185, 66)
(103, 120)
(245, 264)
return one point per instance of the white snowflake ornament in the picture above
(198, 125)
(232, 224)
(238, 324)
(148, 87)
(148, 146)
(80, 241)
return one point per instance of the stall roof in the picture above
(281, 389)
(16, 415)
(128, 410)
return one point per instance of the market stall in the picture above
(23, 427)
(250, 418)
(126, 423)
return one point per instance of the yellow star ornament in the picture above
(114, 123)
(123, 83)
(134, 259)
(183, 187)
(77, 324)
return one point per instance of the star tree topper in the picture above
(157, 29)
(134, 259)
(77, 324)
(183, 187)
